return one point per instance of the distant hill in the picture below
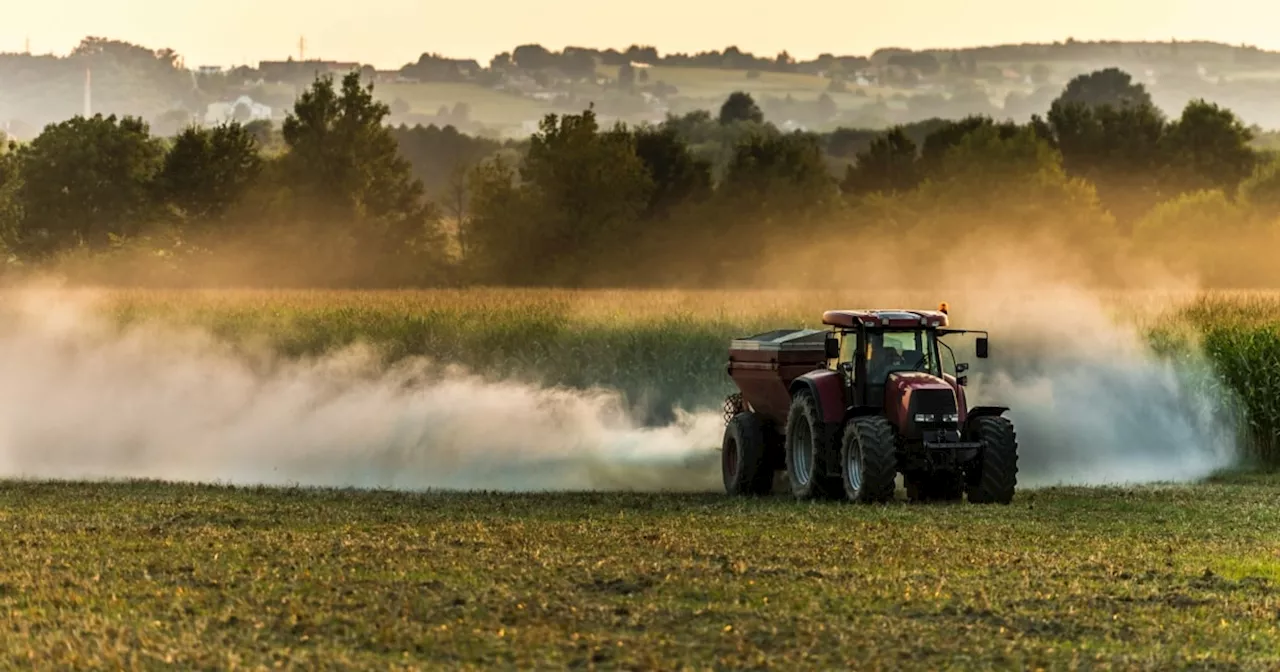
(507, 95)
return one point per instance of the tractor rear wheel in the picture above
(807, 451)
(869, 460)
(995, 475)
(743, 461)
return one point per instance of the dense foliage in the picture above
(337, 197)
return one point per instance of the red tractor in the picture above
(844, 410)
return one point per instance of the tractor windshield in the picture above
(900, 350)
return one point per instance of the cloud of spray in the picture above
(1090, 401)
(81, 400)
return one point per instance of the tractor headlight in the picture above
(951, 417)
(926, 417)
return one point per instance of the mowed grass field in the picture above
(145, 575)
(141, 575)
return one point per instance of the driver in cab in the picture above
(884, 359)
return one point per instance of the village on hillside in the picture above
(508, 97)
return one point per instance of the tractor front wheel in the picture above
(995, 475)
(742, 461)
(869, 460)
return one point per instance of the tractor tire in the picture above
(996, 473)
(743, 460)
(807, 450)
(869, 460)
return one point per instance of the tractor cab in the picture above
(868, 346)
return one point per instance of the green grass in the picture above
(142, 575)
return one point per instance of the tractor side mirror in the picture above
(833, 347)
(962, 381)
(982, 347)
(961, 367)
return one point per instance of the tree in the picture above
(953, 133)
(888, 165)
(456, 206)
(677, 175)
(773, 173)
(209, 170)
(532, 57)
(348, 178)
(740, 106)
(626, 77)
(993, 181)
(86, 180)
(1208, 148)
(262, 131)
(1261, 192)
(1109, 86)
(10, 213)
(1119, 149)
(580, 202)
(1202, 233)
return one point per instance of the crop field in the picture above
(668, 346)
(144, 573)
(139, 575)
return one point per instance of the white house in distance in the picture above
(220, 112)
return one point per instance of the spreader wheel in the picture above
(742, 461)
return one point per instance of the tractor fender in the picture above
(827, 389)
(982, 412)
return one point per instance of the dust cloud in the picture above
(81, 400)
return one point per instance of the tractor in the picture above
(844, 410)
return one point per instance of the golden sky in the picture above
(390, 33)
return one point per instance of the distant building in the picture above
(220, 112)
(209, 69)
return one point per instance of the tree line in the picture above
(337, 198)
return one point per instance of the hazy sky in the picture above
(390, 33)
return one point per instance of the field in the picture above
(709, 87)
(134, 574)
(488, 106)
(140, 575)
